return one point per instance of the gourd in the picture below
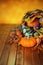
(17, 36)
(33, 23)
(28, 42)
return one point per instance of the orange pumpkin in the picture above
(28, 42)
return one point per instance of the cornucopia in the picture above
(30, 32)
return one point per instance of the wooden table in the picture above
(17, 55)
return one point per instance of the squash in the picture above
(18, 33)
(17, 36)
(27, 42)
(35, 22)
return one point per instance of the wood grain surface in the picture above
(17, 55)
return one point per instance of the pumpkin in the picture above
(27, 42)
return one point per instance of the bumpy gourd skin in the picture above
(27, 31)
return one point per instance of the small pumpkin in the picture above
(27, 42)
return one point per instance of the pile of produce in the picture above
(30, 31)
